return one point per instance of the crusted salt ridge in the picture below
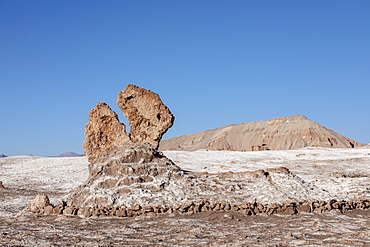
(155, 180)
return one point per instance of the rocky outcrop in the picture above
(125, 166)
(282, 133)
(39, 204)
(147, 116)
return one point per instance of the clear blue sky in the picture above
(213, 63)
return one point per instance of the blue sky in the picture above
(213, 63)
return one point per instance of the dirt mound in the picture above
(282, 133)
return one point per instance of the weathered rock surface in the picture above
(148, 117)
(282, 133)
(104, 133)
(38, 204)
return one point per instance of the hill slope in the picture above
(68, 154)
(282, 133)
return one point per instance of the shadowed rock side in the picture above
(281, 133)
(147, 116)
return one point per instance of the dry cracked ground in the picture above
(24, 177)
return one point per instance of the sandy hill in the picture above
(68, 154)
(280, 133)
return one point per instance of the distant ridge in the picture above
(282, 133)
(3, 156)
(68, 154)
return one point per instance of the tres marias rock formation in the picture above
(117, 159)
(147, 116)
(129, 177)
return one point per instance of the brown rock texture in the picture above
(38, 203)
(282, 133)
(103, 133)
(148, 117)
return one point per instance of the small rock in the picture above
(228, 216)
(38, 203)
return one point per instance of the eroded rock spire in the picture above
(147, 116)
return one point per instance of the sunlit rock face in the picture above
(147, 116)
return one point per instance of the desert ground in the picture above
(335, 173)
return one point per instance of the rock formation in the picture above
(124, 164)
(147, 116)
(280, 133)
